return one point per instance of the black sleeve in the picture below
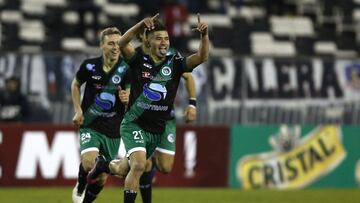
(84, 71)
(133, 59)
(182, 63)
(125, 83)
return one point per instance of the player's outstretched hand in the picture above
(201, 27)
(149, 22)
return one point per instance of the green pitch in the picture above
(187, 195)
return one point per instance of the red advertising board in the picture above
(48, 155)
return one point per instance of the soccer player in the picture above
(101, 109)
(154, 81)
(165, 152)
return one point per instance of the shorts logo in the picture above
(116, 79)
(171, 138)
(85, 138)
(166, 70)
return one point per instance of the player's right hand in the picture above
(190, 114)
(78, 119)
(149, 21)
(123, 96)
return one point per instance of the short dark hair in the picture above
(158, 26)
(108, 31)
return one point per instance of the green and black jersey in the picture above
(171, 51)
(102, 108)
(153, 90)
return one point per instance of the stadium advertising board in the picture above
(271, 78)
(46, 155)
(294, 157)
(232, 82)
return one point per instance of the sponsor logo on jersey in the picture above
(105, 100)
(96, 77)
(146, 74)
(154, 91)
(97, 86)
(177, 57)
(116, 79)
(121, 69)
(90, 67)
(147, 65)
(152, 107)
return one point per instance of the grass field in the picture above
(187, 195)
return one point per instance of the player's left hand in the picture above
(201, 26)
(123, 96)
(190, 114)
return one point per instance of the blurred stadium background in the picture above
(278, 101)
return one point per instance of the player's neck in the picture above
(108, 64)
(157, 59)
(144, 48)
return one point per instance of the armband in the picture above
(192, 102)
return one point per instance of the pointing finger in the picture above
(198, 17)
(155, 16)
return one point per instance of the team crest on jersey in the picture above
(116, 79)
(171, 138)
(166, 71)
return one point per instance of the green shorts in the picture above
(167, 144)
(91, 140)
(136, 139)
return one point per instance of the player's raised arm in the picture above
(203, 52)
(190, 110)
(127, 51)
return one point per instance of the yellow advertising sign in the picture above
(315, 155)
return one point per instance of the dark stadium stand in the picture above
(255, 27)
(292, 29)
